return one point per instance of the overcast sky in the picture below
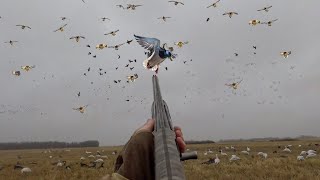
(277, 97)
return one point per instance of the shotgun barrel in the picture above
(168, 164)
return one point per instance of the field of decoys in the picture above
(81, 69)
(224, 160)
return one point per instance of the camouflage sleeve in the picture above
(136, 160)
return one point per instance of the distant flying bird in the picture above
(129, 41)
(16, 73)
(83, 1)
(176, 2)
(116, 47)
(61, 29)
(254, 22)
(132, 78)
(23, 26)
(254, 47)
(127, 65)
(88, 46)
(230, 14)
(234, 85)
(27, 68)
(120, 6)
(214, 4)
(131, 68)
(11, 42)
(105, 18)
(180, 43)
(157, 54)
(78, 94)
(236, 54)
(164, 18)
(113, 33)
(63, 18)
(132, 6)
(101, 46)
(269, 23)
(208, 19)
(266, 9)
(285, 54)
(81, 108)
(77, 38)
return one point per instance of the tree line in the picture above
(47, 145)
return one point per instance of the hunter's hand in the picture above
(149, 126)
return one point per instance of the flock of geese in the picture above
(147, 44)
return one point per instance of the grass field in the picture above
(278, 165)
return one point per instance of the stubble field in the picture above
(278, 165)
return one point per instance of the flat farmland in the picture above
(277, 165)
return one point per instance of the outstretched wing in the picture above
(274, 20)
(151, 44)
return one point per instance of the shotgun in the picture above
(168, 159)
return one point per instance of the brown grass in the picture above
(249, 167)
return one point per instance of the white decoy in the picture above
(205, 153)
(223, 154)
(311, 152)
(248, 149)
(82, 158)
(209, 151)
(50, 157)
(289, 145)
(88, 152)
(245, 152)
(311, 155)
(226, 147)
(99, 161)
(265, 155)
(98, 156)
(104, 157)
(260, 153)
(232, 147)
(217, 160)
(25, 170)
(286, 149)
(299, 145)
(303, 153)
(91, 156)
(234, 158)
(300, 158)
(60, 164)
